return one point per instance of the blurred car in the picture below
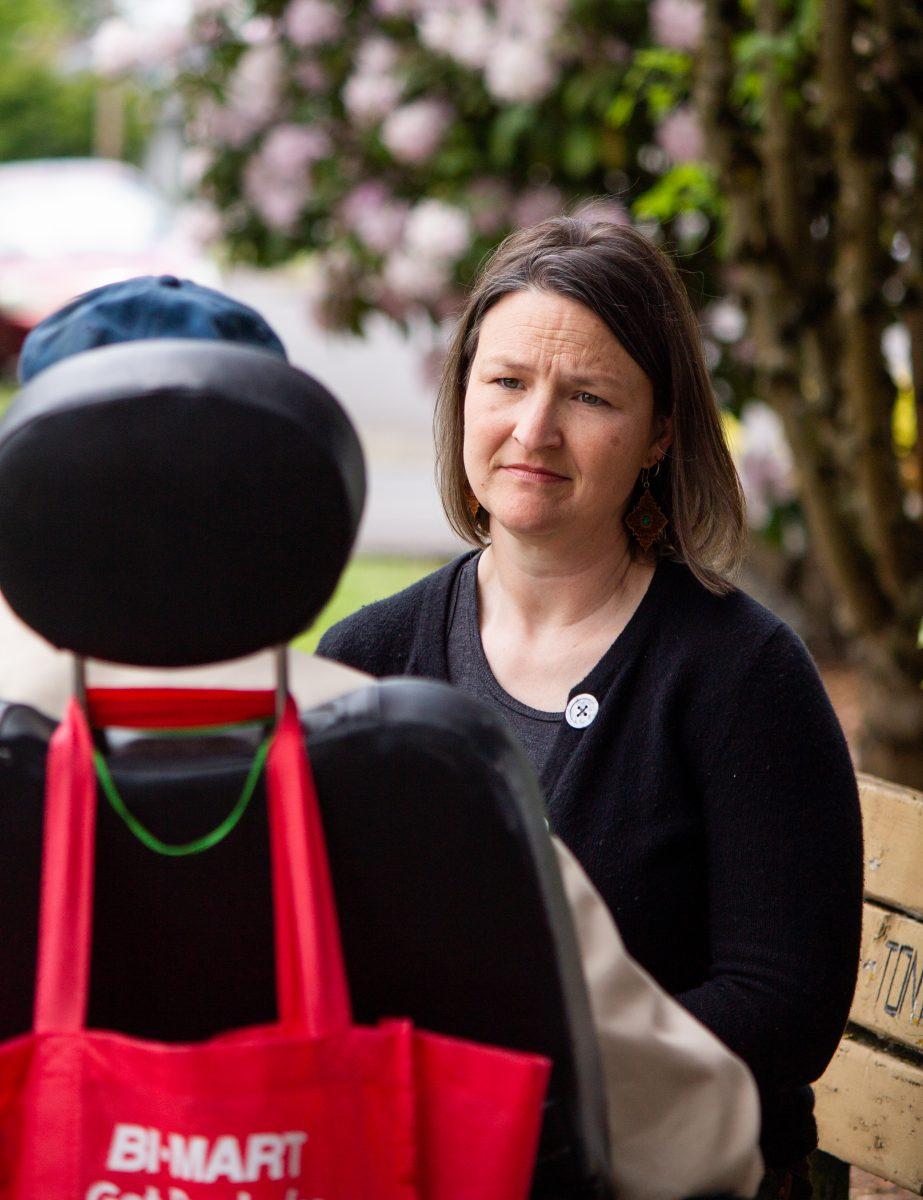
(71, 224)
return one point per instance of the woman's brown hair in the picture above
(634, 289)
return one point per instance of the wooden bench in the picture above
(870, 1100)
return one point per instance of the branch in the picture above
(782, 151)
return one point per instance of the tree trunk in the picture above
(815, 320)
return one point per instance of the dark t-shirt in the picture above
(470, 671)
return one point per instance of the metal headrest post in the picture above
(281, 653)
(80, 681)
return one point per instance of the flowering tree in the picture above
(399, 140)
(813, 118)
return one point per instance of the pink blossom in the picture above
(518, 70)
(372, 213)
(116, 47)
(677, 23)
(462, 31)
(393, 8)
(726, 320)
(473, 37)
(765, 463)
(536, 205)
(407, 276)
(278, 201)
(255, 87)
(436, 30)
(211, 123)
(290, 149)
(195, 161)
(201, 223)
(258, 30)
(311, 22)
(680, 135)
(413, 132)
(376, 55)
(436, 231)
(535, 20)
(369, 98)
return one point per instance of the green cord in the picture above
(207, 840)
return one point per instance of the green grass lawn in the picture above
(365, 580)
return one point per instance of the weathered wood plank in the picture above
(889, 992)
(870, 1113)
(893, 821)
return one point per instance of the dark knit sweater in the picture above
(713, 804)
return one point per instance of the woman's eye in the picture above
(508, 383)
(589, 398)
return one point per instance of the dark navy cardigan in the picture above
(713, 804)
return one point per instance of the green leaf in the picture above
(580, 151)
(662, 98)
(577, 93)
(660, 60)
(687, 187)
(506, 132)
(621, 110)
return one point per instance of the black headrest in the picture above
(170, 503)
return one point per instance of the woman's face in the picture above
(559, 419)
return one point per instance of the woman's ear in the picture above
(661, 441)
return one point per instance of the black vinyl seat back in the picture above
(450, 904)
(171, 503)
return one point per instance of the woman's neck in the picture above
(546, 587)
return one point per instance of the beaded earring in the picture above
(647, 520)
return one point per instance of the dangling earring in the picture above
(471, 501)
(646, 520)
(474, 506)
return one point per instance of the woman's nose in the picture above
(537, 426)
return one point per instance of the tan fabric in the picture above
(683, 1111)
(32, 672)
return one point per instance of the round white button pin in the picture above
(581, 711)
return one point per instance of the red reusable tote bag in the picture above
(313, 1108)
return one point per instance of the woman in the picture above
(689, 755)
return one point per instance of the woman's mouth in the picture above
(533, 474)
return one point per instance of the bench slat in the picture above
(870, 1113)
(893, 825)
(889, 993)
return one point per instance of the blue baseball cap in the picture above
(150, 306)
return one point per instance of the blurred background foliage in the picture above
(381, 148)
(49, 93)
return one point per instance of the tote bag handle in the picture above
(311, 988)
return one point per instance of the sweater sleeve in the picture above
(784, 857)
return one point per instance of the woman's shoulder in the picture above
(730, 631)
(380, 637)
(716, 615)
(747, 670)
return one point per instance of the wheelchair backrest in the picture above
(450, 902)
